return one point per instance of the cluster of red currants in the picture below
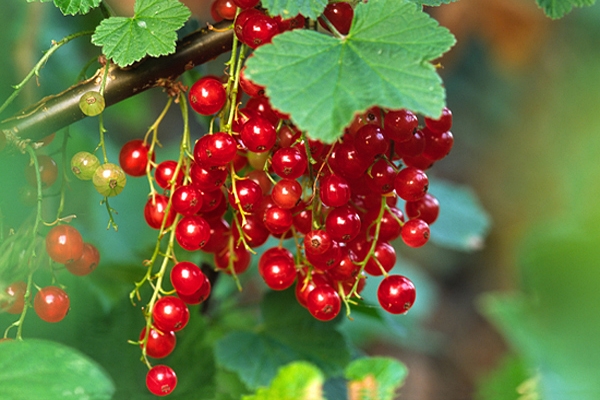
(64, 245)
(259, 177)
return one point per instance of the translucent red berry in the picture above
(161, 380)
(207, 95)
(396, 294)
(51, 304)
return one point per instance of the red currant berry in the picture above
(187, 278)
(225, 9)
(413, 146)
(399, 125)
(51, 304)
(370, 141)
(161, 380)
(212, 201)
(411, 184)
(133, 157)
(207, 179)
(258, 134)
(415, 232)
(278, 220)
(347, 162)
(343, 223)
(442, 124)
(187, 200)
(217, 149)
(437, 144)
(165, 173)
(317, 242)
(170, 314)
(16, 292)
(241, 19)
(87, 263)
(426, 208)
(192, 232)
(329, 259)
(340, 15)
(199, 295)
(381, 177)
(371, 116)
(289, 163)
(48, 171)
(278, 272)
(334, 191)
(287, 193)
(324, 303)
(207, 95)
(396, 294)
(64, 244)
(155, 211)
(247, 196)
(299, 21)
(159, 344)
(259, 29)
(382, 260)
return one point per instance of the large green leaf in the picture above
(322, 81)
(290, 8)
(289, 334)
(39, 369)
(559, 8)
(463, 223)
(375, 378)
(295, 381)
(151, 31)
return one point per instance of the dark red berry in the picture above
(217, 149)
(340, 15)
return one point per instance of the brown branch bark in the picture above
(58, 111)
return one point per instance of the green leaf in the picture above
(322, 81)
(72, 7)
(375, 378)
(38, 369)
(559, 8)
(151, 31)
(463, 223)
(295, 381)
(289, 334)
(290, 8)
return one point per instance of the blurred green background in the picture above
(518, 316)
